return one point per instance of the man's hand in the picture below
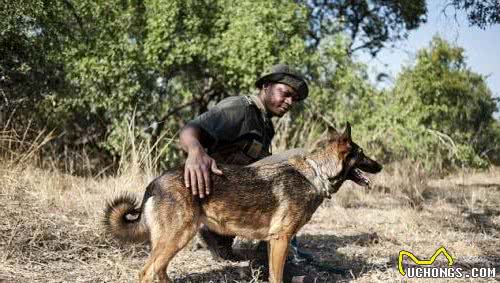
(197, 172)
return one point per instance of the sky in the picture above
(482, 47)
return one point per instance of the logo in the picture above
(417, 261)
(424, 270)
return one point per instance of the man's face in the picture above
(279, 98)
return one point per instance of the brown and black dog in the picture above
(268, 202)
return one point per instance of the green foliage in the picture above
(439, 112)
(165, 61)
(479, 12)
(30, 34)
(370, 25)
(449, 100)
(90, 69)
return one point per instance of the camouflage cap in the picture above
(284, 74)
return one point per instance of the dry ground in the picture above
(50, 229)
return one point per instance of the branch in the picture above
(163, 120)
(78, 19)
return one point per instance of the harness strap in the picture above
(321, 183)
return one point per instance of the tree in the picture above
(479, 12)
(160, 62)
(450, 99)
(29, 73)
(87, 68)
(370, 24)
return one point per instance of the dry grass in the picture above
(50, 228)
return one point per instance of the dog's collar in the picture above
(319, 180)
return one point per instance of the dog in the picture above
(269, 202)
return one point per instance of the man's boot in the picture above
(297, 256)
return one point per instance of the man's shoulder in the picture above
(234, 102)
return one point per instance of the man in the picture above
(238, 130)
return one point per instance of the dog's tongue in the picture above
(359, 178)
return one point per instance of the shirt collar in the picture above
(260, 105)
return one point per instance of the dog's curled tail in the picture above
(122, 219)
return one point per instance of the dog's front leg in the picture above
(277, 251)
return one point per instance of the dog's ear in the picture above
(347, 131)
(325, 139)
(332, 131)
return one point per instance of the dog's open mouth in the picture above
(357, 176)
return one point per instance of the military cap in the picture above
(284, 74)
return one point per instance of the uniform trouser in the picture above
(219, 245)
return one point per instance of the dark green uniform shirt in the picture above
(238, 130)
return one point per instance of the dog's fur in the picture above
(268, 202)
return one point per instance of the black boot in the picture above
(298, 256)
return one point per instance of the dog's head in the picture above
(354, 163)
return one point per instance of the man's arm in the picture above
(199, 165)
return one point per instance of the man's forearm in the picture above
(198, 166)
(190, 139)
